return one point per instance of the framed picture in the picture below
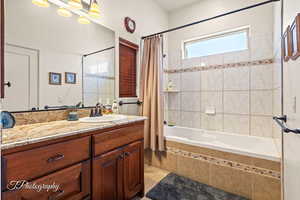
(295, 37)
(287, 44)
(70, 78)
(54, 78)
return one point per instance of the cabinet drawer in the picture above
(28, 165)
(72, 183)
(107, 141)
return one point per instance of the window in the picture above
(127, 69)
(236, 40)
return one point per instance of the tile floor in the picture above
(152, 176)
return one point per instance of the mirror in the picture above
(53, 61)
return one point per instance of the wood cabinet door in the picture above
(73, 183)
(44, 160)
(108, 176)
(133, 170)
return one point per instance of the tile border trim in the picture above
(226, 163)
(223, 66)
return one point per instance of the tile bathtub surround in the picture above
(222, 66)
(212, 80)
(240, 93)
(220, 162)
(190, 81)
(24, 118)
(254, 178)
(237, 78)
(236, 102)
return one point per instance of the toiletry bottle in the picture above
(115, 107)
(170, 85)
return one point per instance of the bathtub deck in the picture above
(259, 147)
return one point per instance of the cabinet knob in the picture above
(127, 154)
(121, 157)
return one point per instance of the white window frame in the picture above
(216, 35)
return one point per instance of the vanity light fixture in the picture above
(75, 4)
(41, 3)
(83, 20)
(64, 12)
(94, 10)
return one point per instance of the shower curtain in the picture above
(151, 92)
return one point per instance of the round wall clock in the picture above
(130, 25)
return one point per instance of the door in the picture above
(133, 170)
(291, 105)
(108, 176)
(21, 71)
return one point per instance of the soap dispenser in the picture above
(115, 107)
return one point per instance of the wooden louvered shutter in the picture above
(128, 69)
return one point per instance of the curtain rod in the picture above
(211, 18)
(98, 51)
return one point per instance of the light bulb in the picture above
(75, 4)
(94, 10)
(41, 3)
(83, 20)
(64, 12)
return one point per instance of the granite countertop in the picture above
(39, 132)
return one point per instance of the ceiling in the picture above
(170, 5)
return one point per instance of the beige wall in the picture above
(291, 94)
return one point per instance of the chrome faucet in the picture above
(98, 112)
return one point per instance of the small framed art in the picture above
(295, 37)
(70, 78)
(287, 44)
(54, 78)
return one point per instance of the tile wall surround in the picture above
(24, 118)
(254, 178)
(225, 163)
(220, 66)
(239, 87)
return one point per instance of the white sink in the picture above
(103, 119)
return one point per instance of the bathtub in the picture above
(259, 147)
(226, 161)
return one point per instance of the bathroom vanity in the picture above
(87, 161)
